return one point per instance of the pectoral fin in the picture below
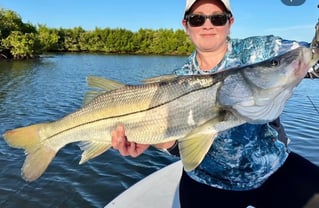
(196, 144)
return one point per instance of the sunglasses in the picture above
(197, 20)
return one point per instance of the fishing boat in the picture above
(158, 190)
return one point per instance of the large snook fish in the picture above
(190, 109)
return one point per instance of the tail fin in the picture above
(38, 155)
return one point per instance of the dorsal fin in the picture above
(101, 86)
(104, 84)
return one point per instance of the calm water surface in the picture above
(49, 88)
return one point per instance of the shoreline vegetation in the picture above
(19, 41)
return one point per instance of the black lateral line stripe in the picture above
(111, 117)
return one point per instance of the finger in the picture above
(115, 140)
(120, 131)
(118, 137)
(123, 147)
(123, 144)
(135, 149)
(132, 150)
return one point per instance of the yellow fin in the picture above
(90, 95)
(103, 85)
(92, 149)
(24, 138)
(196, 144)
(37, 162)
(38, 157)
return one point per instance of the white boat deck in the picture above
(158, 190)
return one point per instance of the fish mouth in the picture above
(314, 70)
(303, 68)
(315, 40)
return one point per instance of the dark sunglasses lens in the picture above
(199, 20)
(196, 20)
(218, 20)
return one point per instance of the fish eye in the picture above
(274, 62)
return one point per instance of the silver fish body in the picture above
(190, 109)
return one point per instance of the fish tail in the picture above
(38, 155)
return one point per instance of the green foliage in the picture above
(24, 40)
(22, 45)
(49, 38)
(9, 21)
(17, 40)
(119, 40)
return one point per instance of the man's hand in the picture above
(126, 148)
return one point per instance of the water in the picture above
(47, 89)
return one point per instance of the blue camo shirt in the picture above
(242, 158)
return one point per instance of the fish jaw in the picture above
(310, 58)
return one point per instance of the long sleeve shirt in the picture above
(243, 157)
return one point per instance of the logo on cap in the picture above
(293, 2)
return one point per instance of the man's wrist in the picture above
(170, 148)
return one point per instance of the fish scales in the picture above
(152, 123)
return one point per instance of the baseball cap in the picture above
(190, 3)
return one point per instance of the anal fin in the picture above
(92, 149)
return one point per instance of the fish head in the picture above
(315, 40)
(285, 70)
(257, 93)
